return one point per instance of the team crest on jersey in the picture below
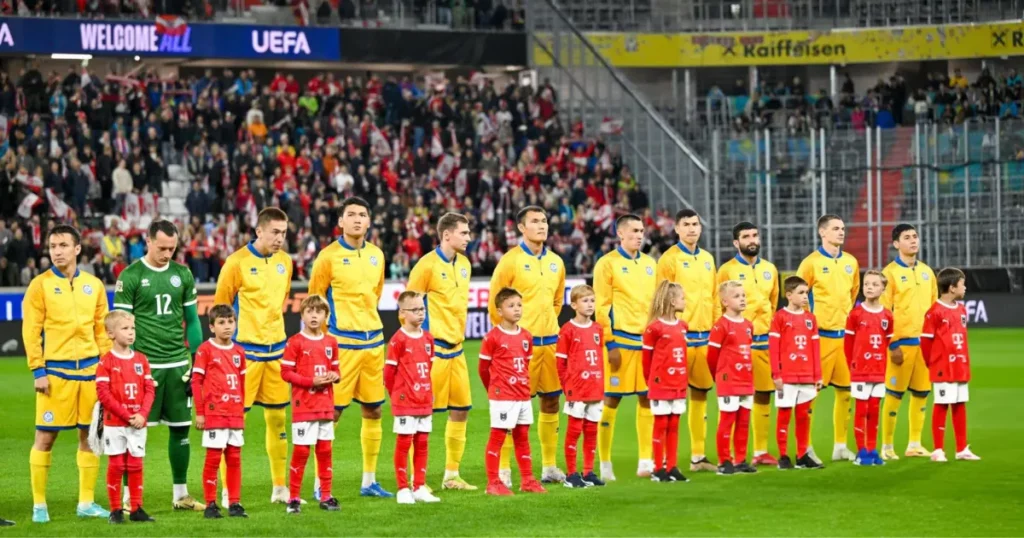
(849, 269)
(885, 325)
(87, 289)
(808, 323)
(553, 267)
(963, 320)
(749, 333)
(924, 276)
(767, 275)
(373, 261)
(328, 351)
(48, 416)
(280, 268)
(650, 271)
(526, 345)
(464, 273)
(236, 360)
(707, 266)
(427, 347)
(176, 281)
(597, 338)
(138, 369)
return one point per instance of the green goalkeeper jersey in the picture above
(157, 298)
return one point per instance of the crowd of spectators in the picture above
(80, 147)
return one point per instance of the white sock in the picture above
(39, 505)
(369, 479)
(180, 490)
(840, 445)
(913, 445)
(316, 482)
(448, 475)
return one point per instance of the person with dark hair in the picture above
(162, 295)
(760, 280)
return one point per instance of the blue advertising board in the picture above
(147, 39)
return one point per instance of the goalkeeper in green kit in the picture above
(162, 295)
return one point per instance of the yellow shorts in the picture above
(362, 377)
(834, 369)
(912, 374)
(69, 404)
(629, 378)
(697, 366)
(544, 372)
(264, 386)
(450, 378)
(762, 371)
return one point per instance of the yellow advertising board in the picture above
(840, 47)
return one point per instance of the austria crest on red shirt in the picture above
(236, 360)
(329, 351)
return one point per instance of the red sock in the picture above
(672, 443)
(939, 425)
(521, 443)
(803, 427)
(493, 458)
(402, 444)
(589, 446)
(297, 468)
(213, 456)
(419, 459)
(871, 435)
(742, 433)
(726, 420)
(134, 466)
(324, 467)
(115, 471)
(782, 430)
(960, 425)
(860, 416)
(572, 439)
(658, 440)
(233, 459)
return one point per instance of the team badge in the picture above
(650, 271)
(119, 286)
(942, 393)
(87, 289)
(503, 417)
(553, 267)
(427, 348)
(924, 276)
(767, 275)
(808, 323)
(213, 434)
(236, 360)
(48, 416)
(464, 273)
(280, 268)
(597, 338)
(526, 345)
(849, 269)
(963, 320)
(707, 266)
(613, 381)
(749, 334)
(138, 369)
(401, 421)
(885, 325)
(329, 351)
(176, 281)
(373, 261)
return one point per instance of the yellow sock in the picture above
(505, 458)
(454, 445)
(841, 416)
(605, 433)
(918, 407)
(88, 468)
(698, 422)
(547, 430)
(762, 425)
(644, 432)
(370, 435)
(223, 472)
(277, 444)
(890, 408)
(39, 469)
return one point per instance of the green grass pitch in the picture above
(908, 498)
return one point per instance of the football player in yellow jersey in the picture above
(760, 281)
(350, 274)
(624, 282)
(68, 306)
(442, 276)
(694, 269)
(911, 292)
(257, 279)
(539, 275)
(834, 279)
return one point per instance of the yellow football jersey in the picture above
(445, 282)
(761, 282)
(695, 272)
(257, 286)
(624, 286)
(540, 278)
(911, 291)
(834, 283)
(352, 280)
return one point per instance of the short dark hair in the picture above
(742, 227)
(948, 278)
(521, 215)
(62, 229)
(899, 229)
(353, 200)
(628, 217)
(270, 214)
(793, 282)
(162, 225)
(685, 214)
(504, 295)
(450, 221)
(827, 218)
(218, 311)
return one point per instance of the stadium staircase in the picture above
(897, 156)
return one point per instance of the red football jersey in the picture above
(411, 357)
(124, 385)
(580, 367)
(868, 333)
(505, 364)
(218, 385)
(794, 348)
(664, 359)
(306, 357)
(944, 337)
(729, 357)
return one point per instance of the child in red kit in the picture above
(125, 390)
(310, 365)
(581, 372)
(868, 333)
(407, 378)
(729, 358)
(795, 354)
(664, 362)
(218, 392)
(505, 371)
(944, 347)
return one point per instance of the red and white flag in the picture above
(26, 205)
(436, 148)
(170, 25)
(59, 209)
(380, 142)
(445, 167)
(250, 212)
(610, 126)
